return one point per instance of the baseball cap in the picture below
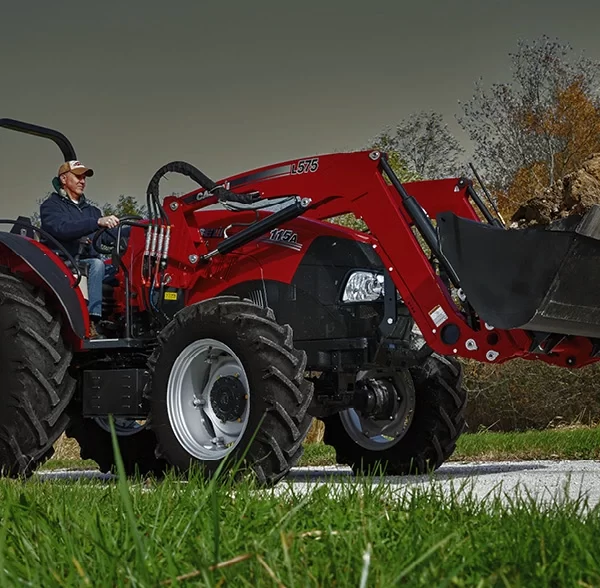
(76, 167)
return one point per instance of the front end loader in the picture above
(239, 313)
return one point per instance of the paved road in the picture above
(546, 481)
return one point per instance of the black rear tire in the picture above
(437, 423)
(36, 386)
(279, 395)
(137, 449)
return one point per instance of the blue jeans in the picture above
(96, 274)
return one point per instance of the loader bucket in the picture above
(544, 279)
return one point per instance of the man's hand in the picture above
(109, 222)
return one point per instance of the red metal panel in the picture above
(339, 184)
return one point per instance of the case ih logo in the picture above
(284, 238)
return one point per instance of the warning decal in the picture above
(438, 316)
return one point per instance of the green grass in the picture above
(572, 443)
(567, 443)
(317, 454)
(575, 443)
(348, 533)
(80, 533)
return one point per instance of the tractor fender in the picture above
(54, 274)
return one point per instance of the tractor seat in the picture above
(25, 228)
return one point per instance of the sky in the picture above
(231, 85)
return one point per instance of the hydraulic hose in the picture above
(186, 169)
(157, 239)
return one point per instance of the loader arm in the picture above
(394, 213)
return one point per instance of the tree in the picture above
(385, 142)
(423, 146)
(532, 131)
(126, 206)
(35, 216)
(576, 120)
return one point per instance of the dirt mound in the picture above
(574, 194)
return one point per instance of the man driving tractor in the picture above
(69, 218)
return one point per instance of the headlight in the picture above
(363, 287)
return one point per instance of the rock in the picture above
(574, 194)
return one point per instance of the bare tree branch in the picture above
(513, 124)
(425, 145)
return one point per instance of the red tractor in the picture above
(240, 314)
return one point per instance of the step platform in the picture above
(542, 279)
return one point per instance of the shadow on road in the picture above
(339, 473)
(483, 469)
(446, 472)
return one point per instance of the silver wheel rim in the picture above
(190, 407)
(379, 435)
(123, 427)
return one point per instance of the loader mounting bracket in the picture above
(390, 307)
(118, 392)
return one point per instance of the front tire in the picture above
(36, 387)
(228, 385)
(437, 423)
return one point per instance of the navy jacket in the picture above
(68, 222)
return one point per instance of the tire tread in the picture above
(37, 387)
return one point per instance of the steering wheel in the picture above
(126, 221)
(102, 248)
